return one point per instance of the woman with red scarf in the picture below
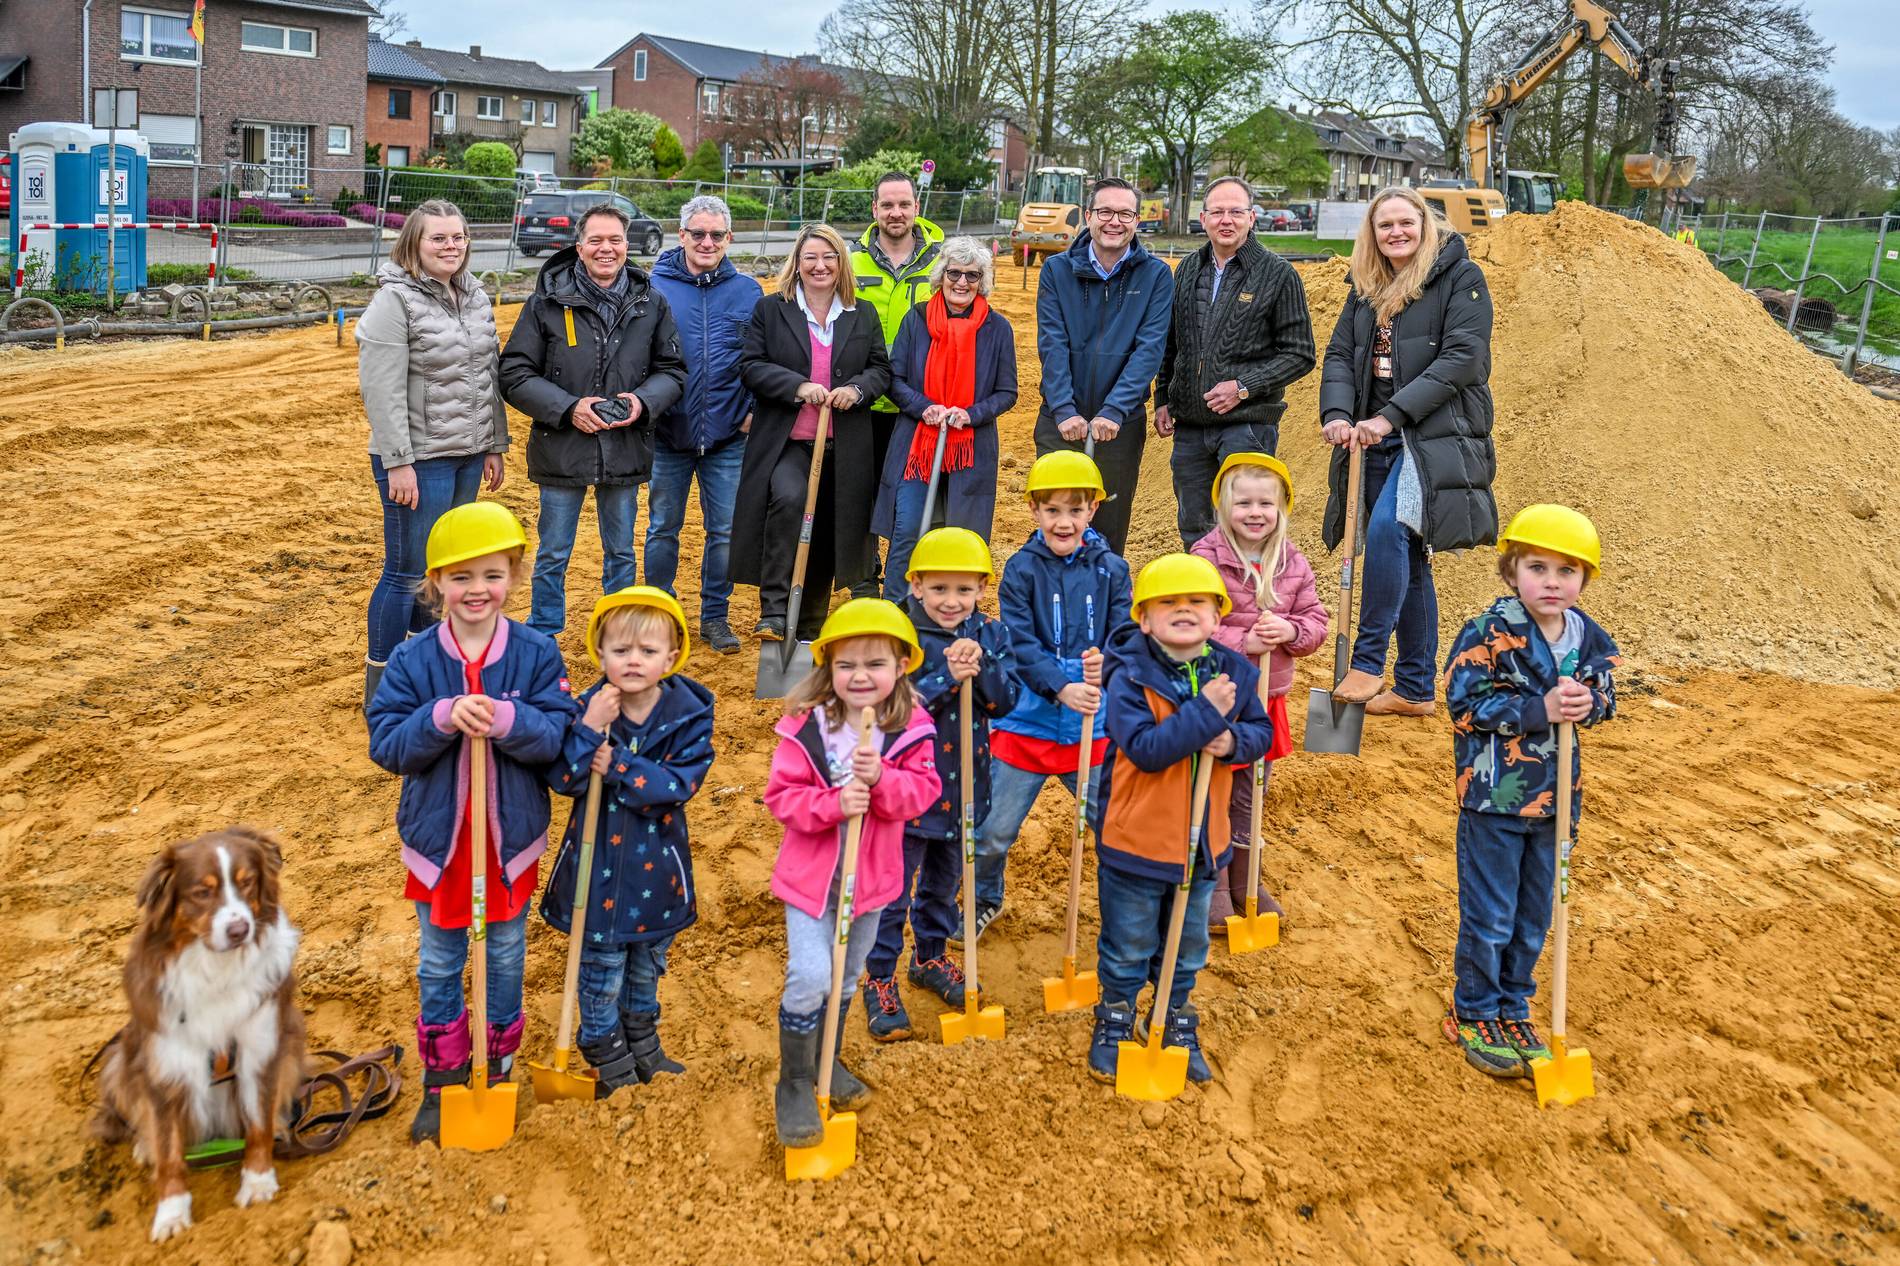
(953, 373)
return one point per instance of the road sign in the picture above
(115, 107)
(930, 171)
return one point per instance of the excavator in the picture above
(1052, 212)
(1476, 201)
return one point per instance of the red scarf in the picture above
(950, 380)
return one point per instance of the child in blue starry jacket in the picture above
(949, 569)
(647, 731)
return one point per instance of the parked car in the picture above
(1278, 220)
(6, 189)
(529, 181)
(549, 219)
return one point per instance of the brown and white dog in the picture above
(215, 1045)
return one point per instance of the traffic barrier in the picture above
(19, 260)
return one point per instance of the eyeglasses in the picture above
(1119, 217)
(708, 235)
(439, 240)
(968, 279)
(1225, 213)
(829, 257)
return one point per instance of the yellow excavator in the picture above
(1476, 201)
(1052, 211)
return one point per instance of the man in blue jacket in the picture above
(1102, 311)
(704, 434)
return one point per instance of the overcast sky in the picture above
(579, 33)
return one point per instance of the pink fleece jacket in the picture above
(1299, 603)
(800, 795)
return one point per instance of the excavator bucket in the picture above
(1657, 171)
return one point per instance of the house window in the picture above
(396, 156)
(527, 111)
(149, 36)
(712, 98)
(488, 107)
(639, 64)
(339, 140)
(267, 37)
(398, 103)
(442, 104)
(549, 109)
(173, 137)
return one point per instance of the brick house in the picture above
(396, 116)
(691, 87)
(521, 103)
(1365, 159)
(282, 82)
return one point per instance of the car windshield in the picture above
(543, 204)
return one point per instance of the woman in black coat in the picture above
(1406, 380)
(807, 345)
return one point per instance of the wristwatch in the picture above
(1241, 388)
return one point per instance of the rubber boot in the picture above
(795, 1098)
(503, 1041)
(1237, 883)
(1220, 906)
(848, 1094)
(372, 677)
(445, 1050)
(643, 1039)
(613, 1063)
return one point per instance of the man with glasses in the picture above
(890, 266)
(705, 433)
(1240, 335)
(1101, 327)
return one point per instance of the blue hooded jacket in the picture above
(1101, 341)
(993, 690)
(1055, 609)
(642, 887)
(710, 311)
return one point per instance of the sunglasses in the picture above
(967, 278)
(707, 235)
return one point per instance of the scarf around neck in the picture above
(606, 300)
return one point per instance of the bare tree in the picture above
(389, 24)
(1045, 45)
(938, 58)
(764, 112)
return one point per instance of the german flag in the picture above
(198, 22)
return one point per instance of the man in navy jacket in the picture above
(1102, 311)
(704, 434)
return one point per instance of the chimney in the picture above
(475, 51)
(413, 43)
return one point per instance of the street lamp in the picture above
(811, 119)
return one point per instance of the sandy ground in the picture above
(192, 535)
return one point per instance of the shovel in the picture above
(1253, 930)
(930, 488)
(975, 1020)
(838, 1150)
(478, 1117)
(785, 664)
(1073, 990)
(1567, 1076)
(556, 1082)
(1149, 1070)
(1334, 725)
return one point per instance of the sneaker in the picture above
(1114, 1024)
(718, 634)
(941, 976)
(1522, 1036)
(1184, 1029)
(985, 915)
(884, 1009)
(770, 629)
(1487, 1049)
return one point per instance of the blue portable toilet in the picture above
(61, 178)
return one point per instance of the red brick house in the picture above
(697, 89)
(396, 116)
(282, 82)
(522, 103)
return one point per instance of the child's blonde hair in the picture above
(1273, 549)
(816, 692)
(635, 622)
(429, 593)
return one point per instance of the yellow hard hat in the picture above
(868, 617)
(1177, 575)
(951, 549)
(472, 530)
(1267, 461)
(1065, 468)
(1558, 529)
(638, 596)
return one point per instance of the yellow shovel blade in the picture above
(558, 1081)
(1153, 1073)
(478, 1119)
(1246, 934)
(832, 1155)
(1566, 1077)
(982, 1022)
(1071, 991)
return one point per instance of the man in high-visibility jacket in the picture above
(892, 264)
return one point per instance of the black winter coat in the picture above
(545, 371)
(1441, 366)
(775, 363)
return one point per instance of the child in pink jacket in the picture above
(1277, 615)
(819, 781)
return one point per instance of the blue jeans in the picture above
(907, 528)
(444, 951)
(673, 471)
(1507, 868)
(936, 866)
(1396, 586)
(442, 483)
(618, 979)
(1134, 937)
(1195, 460)
(1013, 793)
(614, 506)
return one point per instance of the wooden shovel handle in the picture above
(577, 923)
(811, 502)
(1203, 778)
(1084, 767)
(1560, 889)
(478, 906)
(847, 892)
(1259, 773)
(966, 771)
(1355, 472)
